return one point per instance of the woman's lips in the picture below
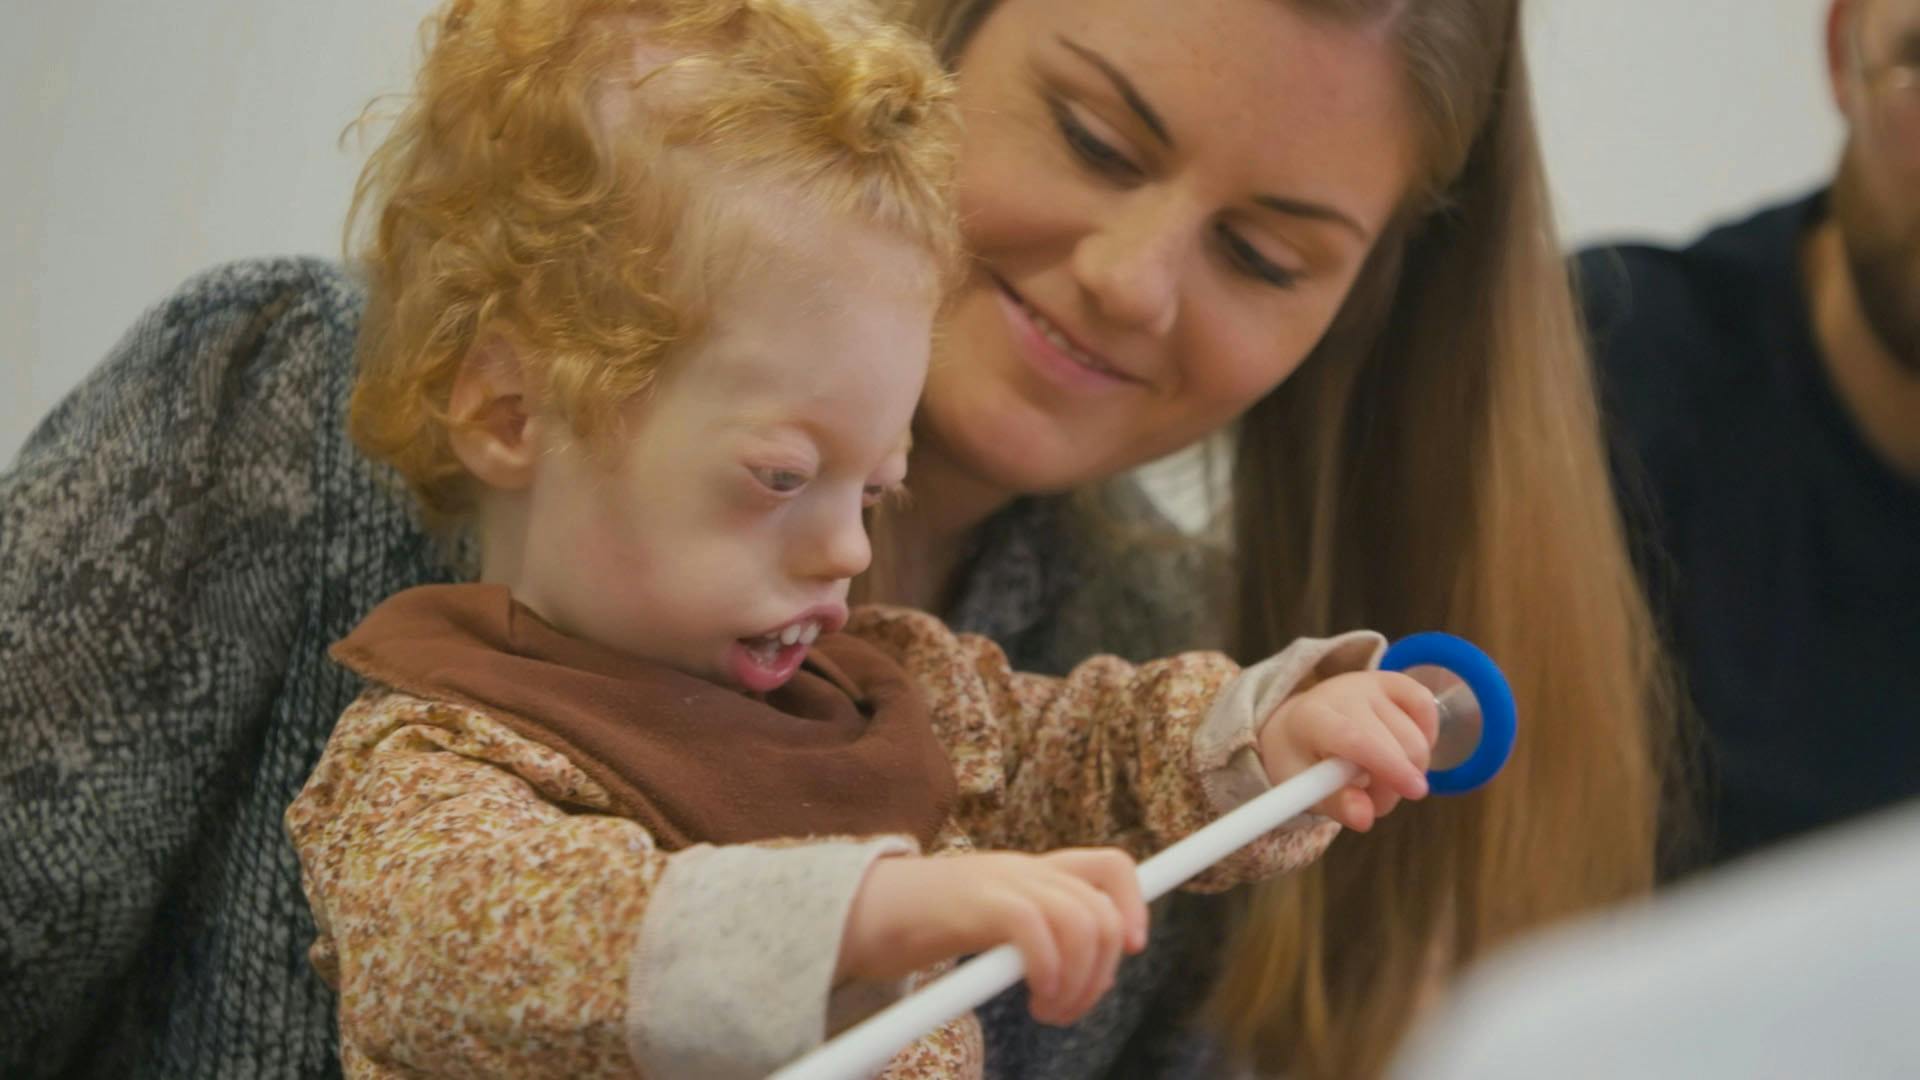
(1053, 351)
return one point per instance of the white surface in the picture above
(1801, 963)
(146, 142)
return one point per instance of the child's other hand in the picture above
(1070, 913)
(1383, 721)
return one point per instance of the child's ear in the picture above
(491, 430)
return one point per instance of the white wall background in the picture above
(1661, 116)
(144, 142)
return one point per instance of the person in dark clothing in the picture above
(1763, 391)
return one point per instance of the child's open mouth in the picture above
(763, 664)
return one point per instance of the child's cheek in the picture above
(619, 562)
(614, 537)
(612, 578)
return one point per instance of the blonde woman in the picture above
(1317, 226)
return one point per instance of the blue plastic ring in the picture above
(1498, 717)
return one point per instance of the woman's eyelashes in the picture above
(1091, 149)
(1248, 260)
(1103, 158)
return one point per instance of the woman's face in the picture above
(1167, 204)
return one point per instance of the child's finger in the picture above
(1351, 807)
(1384, 800)
(1027, 927)
(1065, 901)
(1416, 699)
(1104, 958)
(1406, 731)
(1367, 742)
(1114, 873)
(1402, 754)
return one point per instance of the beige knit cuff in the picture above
(732, 973)
(1224, 746)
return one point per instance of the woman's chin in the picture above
(1008, 443)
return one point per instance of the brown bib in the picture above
(845, 748)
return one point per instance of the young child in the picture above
(652, 293)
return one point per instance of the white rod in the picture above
(1246, 823)
(865, 1048)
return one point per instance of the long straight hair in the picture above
(1437, 463)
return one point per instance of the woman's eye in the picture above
(1248, 259)
(780, 481)
(1089, 147)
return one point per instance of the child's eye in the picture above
(875, 494)
(779, 481)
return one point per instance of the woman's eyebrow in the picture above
(1128, 92)
(1311, 211)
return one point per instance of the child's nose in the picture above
(843, 550)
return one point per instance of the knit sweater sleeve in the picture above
(482, 914)
(1136, 756)
(153, 538)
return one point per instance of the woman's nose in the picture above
(1131, 265)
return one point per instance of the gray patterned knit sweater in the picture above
(179, 542)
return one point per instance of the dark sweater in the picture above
(1783, 554)
(180, 541)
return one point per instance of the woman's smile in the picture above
(1057, 354)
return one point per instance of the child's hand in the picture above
(1382, 721)
(1070, 913)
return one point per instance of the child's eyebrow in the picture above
(783, 439)
(769, 423)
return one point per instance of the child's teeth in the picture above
(811, 634)
(790, 635)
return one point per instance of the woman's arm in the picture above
(154, 558)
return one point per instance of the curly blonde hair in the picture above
(566, 178)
